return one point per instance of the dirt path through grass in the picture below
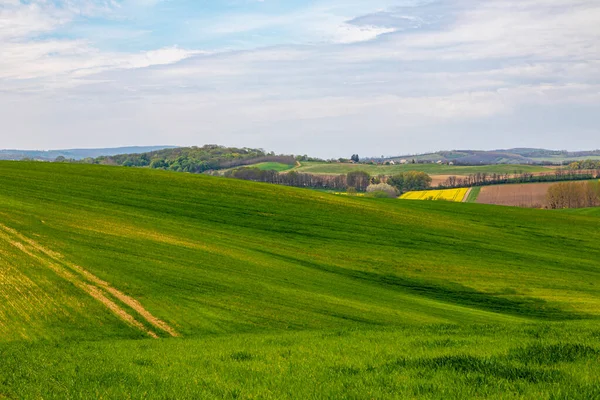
(86, 281)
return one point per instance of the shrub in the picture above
(382, 190)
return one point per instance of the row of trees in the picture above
(484, 179)
(573, 195)
(292, 178)
(585, 164)
(359, 181)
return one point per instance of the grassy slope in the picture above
(473, 194)
(273, 166)
(265, 166)
(213, 256)
(432, 169)
(593, 211)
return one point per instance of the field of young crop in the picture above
(135, 283)
(592, 211)
(273, 166)
(456, 195)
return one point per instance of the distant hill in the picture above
(508, 156)
(194, 159)
(75, 154)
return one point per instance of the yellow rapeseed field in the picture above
(446, 194)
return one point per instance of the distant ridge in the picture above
(503, 156)
(76, 154)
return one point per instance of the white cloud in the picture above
(497, 65)
(347, 33)
(60, 62)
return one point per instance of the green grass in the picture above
(432, 169)
(473, 194)
(436, 361)
(273, 166)
(265, 166)
(593, 211)
(282, 292)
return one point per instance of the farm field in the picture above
(456, 195)
(519, 195)
(473, 194)
(264, 166)
(431, 169)
(592, 211)
(273, 166)
(135, 283)
(563, 159)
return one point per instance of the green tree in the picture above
(411, 180)
(382, 190)
(358, 179)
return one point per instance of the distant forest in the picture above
(191, 159)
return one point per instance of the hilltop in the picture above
(75, 154)
(259, 290)
(194, 159)
(508, 156)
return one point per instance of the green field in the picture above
(265, 166)
(473, 194)
(563, 159)
(273, 166)
(263, 291)
(431, 169)
(593, 211)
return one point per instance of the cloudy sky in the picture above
(323, 77)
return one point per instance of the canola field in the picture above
(456, 195)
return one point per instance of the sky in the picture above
(327, 78)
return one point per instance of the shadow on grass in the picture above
(450, 292)
(554, 353)
(532, 364)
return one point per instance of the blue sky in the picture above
(323, 77)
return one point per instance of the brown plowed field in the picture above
(520, 195)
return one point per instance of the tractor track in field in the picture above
(466, 196)
(95, 287)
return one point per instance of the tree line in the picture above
(484, 179)
(585, 164)
(191, 159)
(573, 195)
(358, 181)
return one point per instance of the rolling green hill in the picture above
(273, 166)
(120, 282)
